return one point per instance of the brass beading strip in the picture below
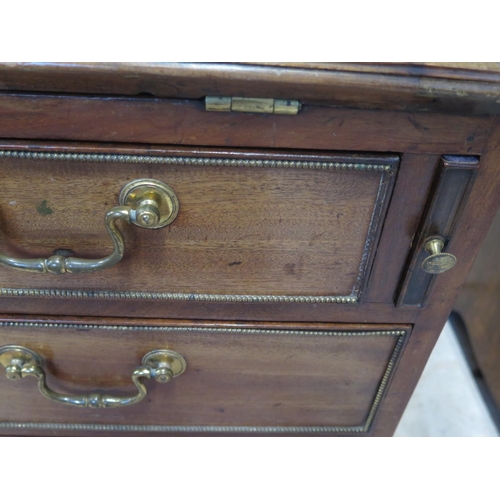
(179, 428)
(83, 294)
(203, 329)
(384, 382)
(184, 160)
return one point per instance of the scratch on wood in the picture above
(416, 124)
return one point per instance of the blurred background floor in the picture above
(447, 400)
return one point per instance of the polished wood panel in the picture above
(242, 229)
(237, 375)
(462, 71)
(163, 121)
(254, 311)
(422, 87)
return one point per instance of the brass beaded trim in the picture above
(401, 334)
(83, 294)
(183, 160)
(179, 428)
(201, 329)
(383, 384)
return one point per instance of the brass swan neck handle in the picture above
(146, 203)
(161, 364)
(57, 264)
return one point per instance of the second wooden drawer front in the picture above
(239, 378)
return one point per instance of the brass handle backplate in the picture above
(161, 364)
(146, 203)
(437, 262)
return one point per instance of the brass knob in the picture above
(148, 214)
(163, 374)
(437, 262)
(13, 372)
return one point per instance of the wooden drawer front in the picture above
(251, 226)
(239, 378)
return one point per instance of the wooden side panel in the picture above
(470, 232)
(450, 193)
(478, 305)
(410, 195)
(244, 375)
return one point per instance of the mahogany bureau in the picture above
(234, 249)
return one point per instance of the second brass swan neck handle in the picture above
(161, 364)
(146, 203)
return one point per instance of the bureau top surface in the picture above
(465, 88)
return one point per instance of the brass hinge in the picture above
(252, 105)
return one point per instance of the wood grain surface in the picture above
(415, 112)
(164, 121)
(254, 311)
(242, 230)
(421, 87)
(251, 377)
(465, 71)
